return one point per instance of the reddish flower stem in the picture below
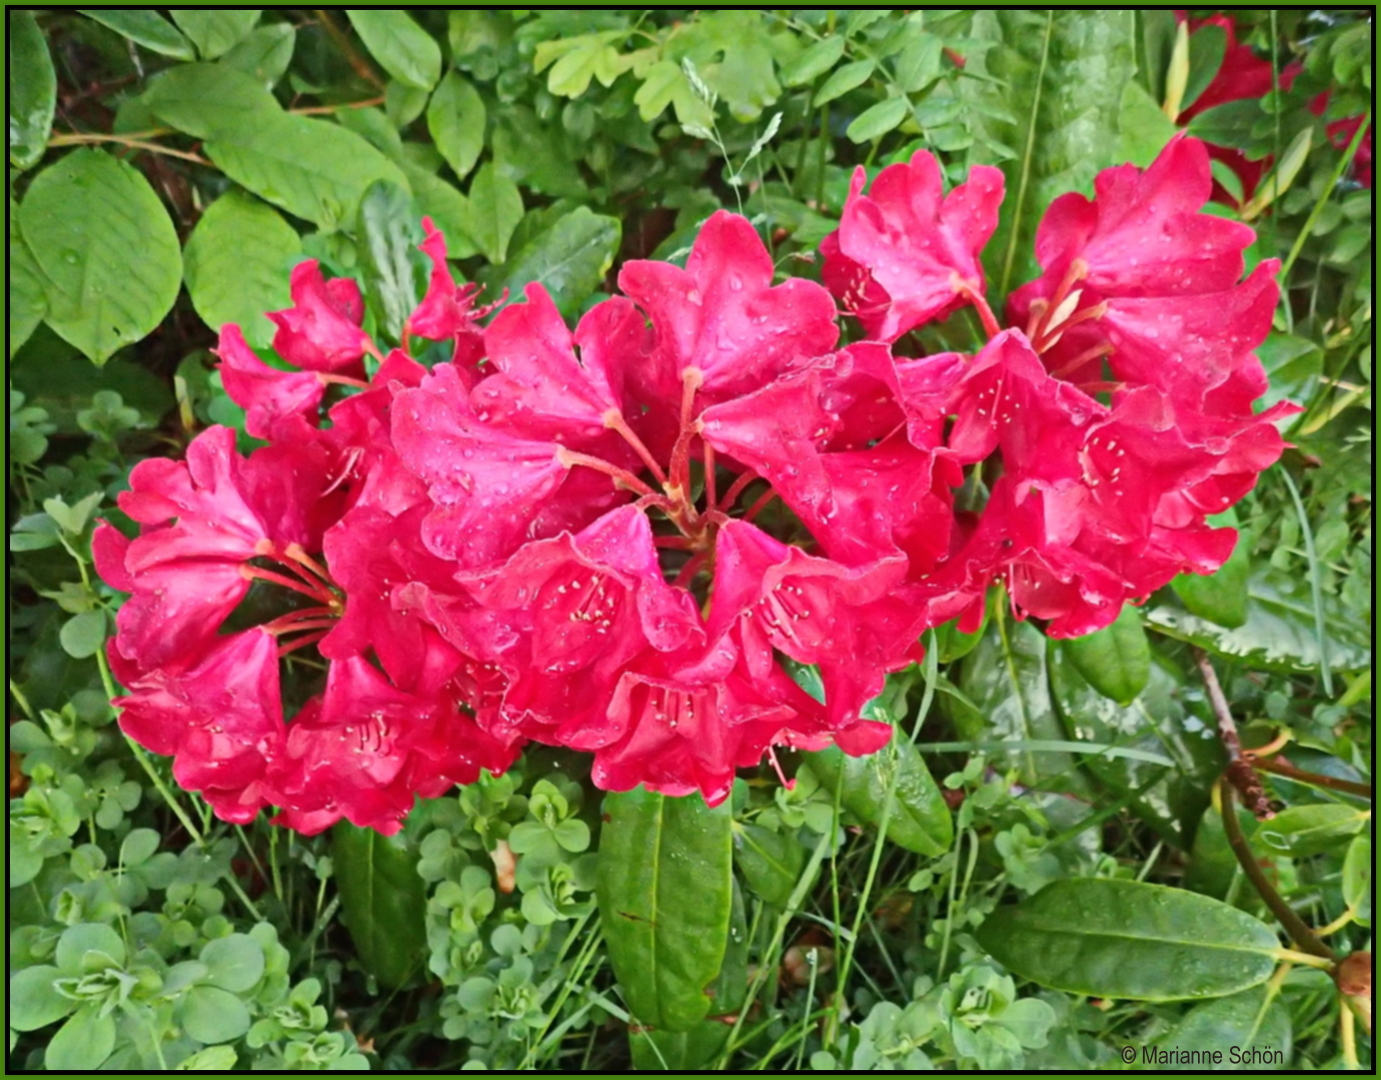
(692, 567)
(620, 476)
(707, 453)
(310, 639)
(343, 380)
(763, 500)
(614, 421)
(677, 543)
(991, 327)
(736, 489)
(691, 380)
(1085, 357)
(296, 554)
(318, 593)
(286, 623)
(302, 624)
(1078, 269)
(1054, 333)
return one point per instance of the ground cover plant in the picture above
(689, 540)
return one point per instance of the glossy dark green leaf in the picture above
(1005, 679)
(27, 301)
(877, 120)
(215, 31)
(145, 27)
(1279, 632)
(403, 49)
(1115, 661)
(449, 210)
(1250, 1022)
(570, 259)
(33, 90)
(388, 233)
(111, 262)
(953, 644)
(920, 820)
(1059, 137)
(1310, 829)
(456, 118)
(495, 206)
(1207, 46)
(207, 100)
(1220, 598)
(769, 862)
(665, 890)
(237, 262)
(383, 902)
(1126, 939)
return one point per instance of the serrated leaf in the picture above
(144, 27)
(33, 90)
(403, 49)
(1061, 138)
(265, 53)
(847, 78)
(813, 62)
(388, 233)
(204, 100)
(212, 1015)
(27, 302)
(383, 902)
(237, 262)
(311, 168)
(1125, 939)
(570, 259)
(83, 1043)
(664, 84)
(1253, 1020)
(1115, 661)
(877, 120)
(215, 31)
(1279, 632)
(107, 248)
(665, 890)
(495, 206)
(456, 119)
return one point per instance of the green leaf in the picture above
(1220, 598)
(383, 902)
(843, 80)
(1060, 137)
(403, 49)
(877, 120)
(577, 60)
(813, 62)
(212, 1015)
(205, 100)
(79, 941)
(447, 207)
(33, 90)
(570, 259)
(1125, 939)
(769, 862)
(27, 302)
(919, 63)
(265, 53)
(314, 169)
(215, 31)
(83, 1043)
(456, 119)
(84, 634)
(1253, 1020)
(665, 886)
(666, 84)
(920, 820)
(34, 1001)
(388, 234)
(1005, 678)
(234, 963)
(1115, 661)
(107, 248)
(1207, 47)
(237, 263)
(1142, 125)
(1357, 872)
(1307, 830)
(1230, 124)
(496, 206)
(1279, 632)
(144, 27)
(209, 1059)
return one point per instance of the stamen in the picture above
(319, 593)
(790, 785)
(614, 421)
(326, 378)
(310, 639)
(985, 313)
(620, 476)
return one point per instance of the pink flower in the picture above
(448, 312)
(321, 331)
(906, 254)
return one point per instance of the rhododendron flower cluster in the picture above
(620, 539)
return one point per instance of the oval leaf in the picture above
(33, 90)
(234, 963)
(1115, 661)
(1249, 1021)
(495, 207)
(212, 1015)
(769, 862)
(920, 820)
(109, 253)
(83, 635)
(570, 259)
(814, 61)
(388, 233)
(83, 1043)
(403, 49)
(210, 100)
(383, 902)
(34, 1001)
(456, 119)
(144, 27)
(215, 31)
(845, 79)
(1125, 939)
(878, 120)
(665, 890)
(1308, 830)
(236, 264)
(265, 54)
(27, 302)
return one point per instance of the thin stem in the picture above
(620, 476)
(1347, 1036)
(707, 455)
(677, 543)
(326, 378)
(692, 567)
(1085, 357)
(301, 643)
(340, 106)
(736, 489)
(1239, 771)
(360, 65)
(614, 421)
(78, 138)
(1299, 932)
(318, 593)
(294, 552)
(1335, 783)
(1308, 228)
(991, 327)
(766, 497)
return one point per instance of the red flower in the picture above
(321, 331)
(906, 254)
(448, 312)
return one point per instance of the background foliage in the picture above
(166, 171)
